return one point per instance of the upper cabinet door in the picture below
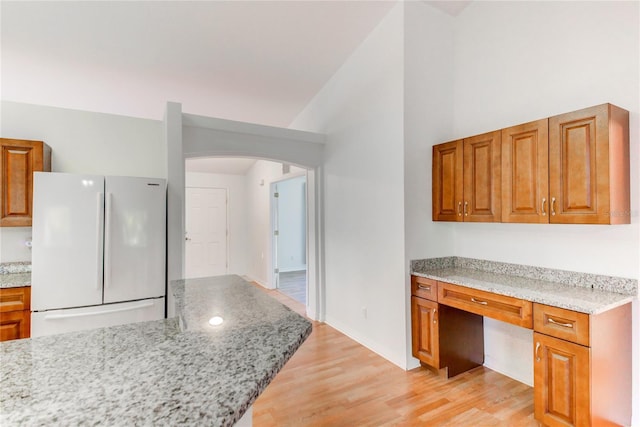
(589, 166)
(19, 159)
(447, 181)
(525, 173)
(482, 178)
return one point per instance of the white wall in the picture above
(292, 224)
(257, 185)
(520, 61)
(361, 111)
(82, 142)
(428, 120)
(237, 213)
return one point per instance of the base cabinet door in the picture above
(15, 325)
(424, 330)
(561, 382)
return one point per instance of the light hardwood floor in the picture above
(334, 381)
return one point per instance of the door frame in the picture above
(188, 135)
(273, 209)
(226, 239)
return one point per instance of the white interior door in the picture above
(206, 232)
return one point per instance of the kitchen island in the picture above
(167, 372)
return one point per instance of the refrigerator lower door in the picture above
(135, 238)
(68, 216)
(78, 319)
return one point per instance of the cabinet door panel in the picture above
(561, 382)
(588, 177)
(425, 338)
(19, 159)
(525, 173)
(447, 181)
(482, 178)
(14, 325)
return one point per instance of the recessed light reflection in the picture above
(216, 321)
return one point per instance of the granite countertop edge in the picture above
(175, 375)
(581, 299)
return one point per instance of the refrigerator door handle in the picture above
(107, 241)
(97, 312)
(99, 241)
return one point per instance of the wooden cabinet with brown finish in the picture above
(582, 366)
(525, 173)
(589, 166)
(443, 337)
(15, 313)
(18, 160)
(568, 169)
(466, 179)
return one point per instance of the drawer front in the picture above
(15, 299)
(500, 307)
(561, 323)
(424, 288)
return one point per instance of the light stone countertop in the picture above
(503, 281)
(155, 373)
(15, 274)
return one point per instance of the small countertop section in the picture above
(156, 372)
(15, 274)
(591, 294)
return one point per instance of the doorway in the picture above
(206, 248)
(289, 236)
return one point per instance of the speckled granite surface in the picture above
(155, 373)
(586, 293)
(15, 274)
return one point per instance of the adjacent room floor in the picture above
(334, 381)
(294, 285)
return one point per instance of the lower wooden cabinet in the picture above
(425, 341)
(15, 313)
(582, 367)
(443, 337)
(561, 382)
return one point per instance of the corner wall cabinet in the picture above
(582, 362)
(18, 160)
(466, 179)
(570, 169)
(15, 313)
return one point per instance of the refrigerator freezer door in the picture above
(80, 319)
(67, 240)
(134, 246)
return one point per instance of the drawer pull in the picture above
(537, 348)
(435, 314)
(466, 205)
(477, 301)
(553, 206)
(544, 202)
(555, 322)
(426, 288)
(459, 208)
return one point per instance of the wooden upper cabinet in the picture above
(466, 179)
(19, 159)
(525, 173)
(447, 181)
(482, 178)
(589, 166)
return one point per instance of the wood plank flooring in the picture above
(334, 381)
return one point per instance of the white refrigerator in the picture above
(98, 251)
